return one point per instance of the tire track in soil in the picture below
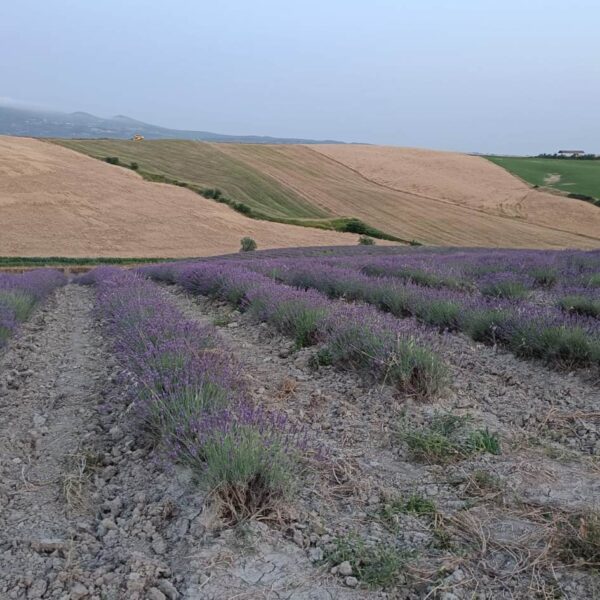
(143, 531)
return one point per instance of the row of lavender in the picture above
(19, 293)
(190, 396)
(355, 335)
(554, 331)
(501, 273)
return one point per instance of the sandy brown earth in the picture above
(56, 202)
(471, 181)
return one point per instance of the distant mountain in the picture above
(37, 123)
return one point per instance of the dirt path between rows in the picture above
(88, 510)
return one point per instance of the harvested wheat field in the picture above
(450, 219)
(56, 202)
(470, 181)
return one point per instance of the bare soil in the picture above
(57, 202)
(89, 510)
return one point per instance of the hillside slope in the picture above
(56, 202)
(432, 197)
(471, 181)
(450, 218)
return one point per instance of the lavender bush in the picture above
(500, 314)
(189, 393)
(20, 293)
(352, 335)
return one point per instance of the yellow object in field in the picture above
(137, 137)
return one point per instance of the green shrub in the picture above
(481, 440)
(166, 412)
(356, 226)
(365, 240)
(248, 244)
(134, 166)
(112, 160)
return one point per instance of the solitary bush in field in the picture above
(112, 160)
(365, 240)
(248, 244)
(134, 166)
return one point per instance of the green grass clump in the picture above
(377, 565)
(416, 504)
(365, 240)
(481, 440)
(594, 280)
(447, 438)
(580, 305)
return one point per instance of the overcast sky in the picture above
(506, 76)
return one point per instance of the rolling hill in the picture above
(56, 202)
(432, 197)
(44, 123)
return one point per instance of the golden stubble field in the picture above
(437, 198)
(57, 202)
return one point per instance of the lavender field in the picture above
(366, 422)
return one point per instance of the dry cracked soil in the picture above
(88, 509)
